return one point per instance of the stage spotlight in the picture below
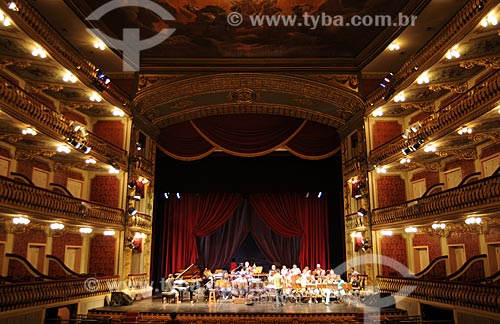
(165, 194)
(136, 198)
(406, 151)
(132, 211)
(178, 195)
(307, 194)
(362, 212)
(319, 194)
(74, 142)
(85, 149)
(132, 184)
(389, 94)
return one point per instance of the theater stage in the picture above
(227, 311)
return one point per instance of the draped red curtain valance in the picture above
(248, 135)
(287, 214)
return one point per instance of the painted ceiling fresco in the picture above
(202, 29)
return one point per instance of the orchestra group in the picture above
(286, 284)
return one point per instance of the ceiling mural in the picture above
(202, 29)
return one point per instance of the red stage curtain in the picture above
(248, 135)
(290, 215)
(191, 216)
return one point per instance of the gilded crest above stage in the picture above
(202, 29)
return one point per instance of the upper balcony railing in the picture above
(465, 107)
(141, 221)
(459, 294)
(23, 106)
(24, 198)
(31, 294)
(479, 196)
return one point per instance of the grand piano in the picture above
(187, 281)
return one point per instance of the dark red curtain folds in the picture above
(248, 135)
(192, 216)
(216, 250)
(292, 214)
(290, 218)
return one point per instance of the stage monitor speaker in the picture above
(120, 299)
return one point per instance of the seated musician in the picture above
(295, 271)
(318, 272)
(330, 285)
(169, 288)
(355, 284)
(271, 273)
(224, 286)
(284, 271)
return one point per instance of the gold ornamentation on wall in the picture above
(31, 154)
(243, 95)
(457, 87)
(468, 154)
(489, 62)
(424, 106)
(11, 138)
(40, 87)
(479, 137)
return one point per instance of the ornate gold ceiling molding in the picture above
(468, 154)
(243, 96)
(11, 138)
(479, 137)
(461, 24)
(246, 86)
(162, 121)
(18, 63)
(476, 102)
(147, 80)
(429, 106)
(31, 154)
(489, 62)
(74, 105)
(348, 81)
(457, 87)
(40, 87)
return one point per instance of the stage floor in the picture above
(155, 305)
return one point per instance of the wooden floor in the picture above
(155, 305)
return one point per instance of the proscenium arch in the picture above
(169, 102)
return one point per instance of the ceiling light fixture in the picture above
(400, 97)
(394, 47)
(113, 170)
(90, 161)
(38, 51)
(6, 22)
(118, 112)
(95, 97)
(63, 149)
(405, 160)
(386, 233)
(490, 19)
(69, 77)
(411, 229)
(464, 130)
(29, 131)
(100, 45)
(381, 170)
(13, 6)
(377, 112)
(453, 53)
(109, 233)
(430, 148)
(86, 230)
(423, 78)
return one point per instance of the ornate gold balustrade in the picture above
(353, 221)
(458, 294)
(108, 150)
(23, 106)
(479, 196)
(468, 106)
(141, 221)
(30, 294)
(22, 198)
(138, 281)
(144, 166)
(36, 27)
(463, 22)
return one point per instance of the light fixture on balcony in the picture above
(489, 20)
(63, 149)
(69, 77)
(109, 233)
(474, 225)
(56, 229)
(386, 233)
(29, 131)
(411, 229)
(86, 230)
(100, 45)
(118, 112)
(19, 225)
(90, 161)
(453, 53)
(38, 51)
(377, 112)
(113, 170)
(381, 170)
(423, 78)
(464, 130)
(6, 22)
(400, 97)
(95, 97)
(394, 47)
(13, 6)
(362, 212)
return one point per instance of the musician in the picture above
(246, 268)
(284, 271)
(232, 265)
(169, 287)
(318, 272)
(272, 271)
(295, 271)
(330, 285)
(278, 286)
